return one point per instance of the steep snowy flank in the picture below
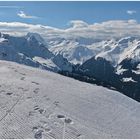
(34, 103)
(28, 49)
(37, 37)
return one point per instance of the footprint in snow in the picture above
(56, 103)
(38, 134)
(2, 91)
(22, 78)
(44, 127)
(15, 70)
(23, 89)
(22, 73)
(46, 97)
(9, 93)
(31, 113)
(39, 109)
(29, 97)
(36, 90)
(78, 135)
(36, 108)
(20, 88)
(60, 116)
(35, 83)
(35, 128)
(47, 129)
(67, 120)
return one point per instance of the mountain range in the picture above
(113, 63)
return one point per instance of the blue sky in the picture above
(58, 14)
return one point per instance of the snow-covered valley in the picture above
(34, 103)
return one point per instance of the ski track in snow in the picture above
(32, 99)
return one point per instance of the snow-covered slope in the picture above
(30, 50)
(32, 101)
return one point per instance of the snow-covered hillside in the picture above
(34, 103)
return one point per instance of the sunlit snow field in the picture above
(32, 102)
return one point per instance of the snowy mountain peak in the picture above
(35, 36)
(121, 49)
(126, 39)
(31, 51)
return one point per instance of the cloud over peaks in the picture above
(104, 30)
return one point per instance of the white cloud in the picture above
(78, 23)
(104, 30)
(20, 29)
(22, 14)
(108, 29)
(131, 12)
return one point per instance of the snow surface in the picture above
(120, 70)
(128, 80)
(136, 71)
(32, 101)
(2, 40)
(138, 66)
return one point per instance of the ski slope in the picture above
(32, 101)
